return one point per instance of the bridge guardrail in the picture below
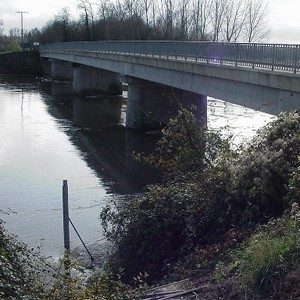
(285, 57)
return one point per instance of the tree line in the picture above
(200, 20)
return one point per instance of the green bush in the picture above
(155, 229)
(263, 262)
(165, 223)
(14, 46)
(26, 275)
(210, 190)
(186, 147)
(22, 272)
(261, 173)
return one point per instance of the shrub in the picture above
(26, 275)
(263, 262)
(186, 147)
(165, 223)
(210, 190)
(22, 272)
(14, 46)
(261, 173)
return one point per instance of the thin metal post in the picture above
(273, 56)
(66, 216)
(22, 27)
(236, 54)
(84, 245)
(296, 58)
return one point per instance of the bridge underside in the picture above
(149, 105)
(271, 92)
(151, 79)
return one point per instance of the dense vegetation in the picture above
(26, 275)
(214, 198)
(234, 212)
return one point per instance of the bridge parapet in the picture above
(284, 57)
(259, 76)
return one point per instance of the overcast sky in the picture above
(283, 15)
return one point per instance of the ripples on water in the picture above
(234, 120)
(40, 147)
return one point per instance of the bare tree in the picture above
(200, 14)
(146, 10)
(1, 27)
(88, 17)
(167, 18)
(183, 19)
(256, 27)
(63, 18)
(119, 12)
(130, 7)
(234, 20)
(103, 10)
(133, 15)
(217, 18)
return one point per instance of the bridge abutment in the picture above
(61, 70)
(151, 105)
(92, 81)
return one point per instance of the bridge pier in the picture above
(46, 65)
(92, 81)
(61, 70)
(151, 105)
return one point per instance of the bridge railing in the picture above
(285, 57)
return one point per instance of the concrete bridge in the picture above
(162, 74)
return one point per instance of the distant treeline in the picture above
(205, 20)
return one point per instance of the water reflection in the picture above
(61, 88)
(40, 146)
(95, 125)
(97, 112)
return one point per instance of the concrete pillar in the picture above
(97, 112)
(93, 81)
(46, 65)
(151, 105)
(61, 70)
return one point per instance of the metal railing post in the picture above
(236, 54)
(273, 56)
(296, 58)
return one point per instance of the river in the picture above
(40, 147)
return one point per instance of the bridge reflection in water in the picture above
(99, 133)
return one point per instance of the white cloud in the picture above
(284, 21)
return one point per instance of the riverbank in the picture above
(228, 219)
(223, 226)
(21, 62)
